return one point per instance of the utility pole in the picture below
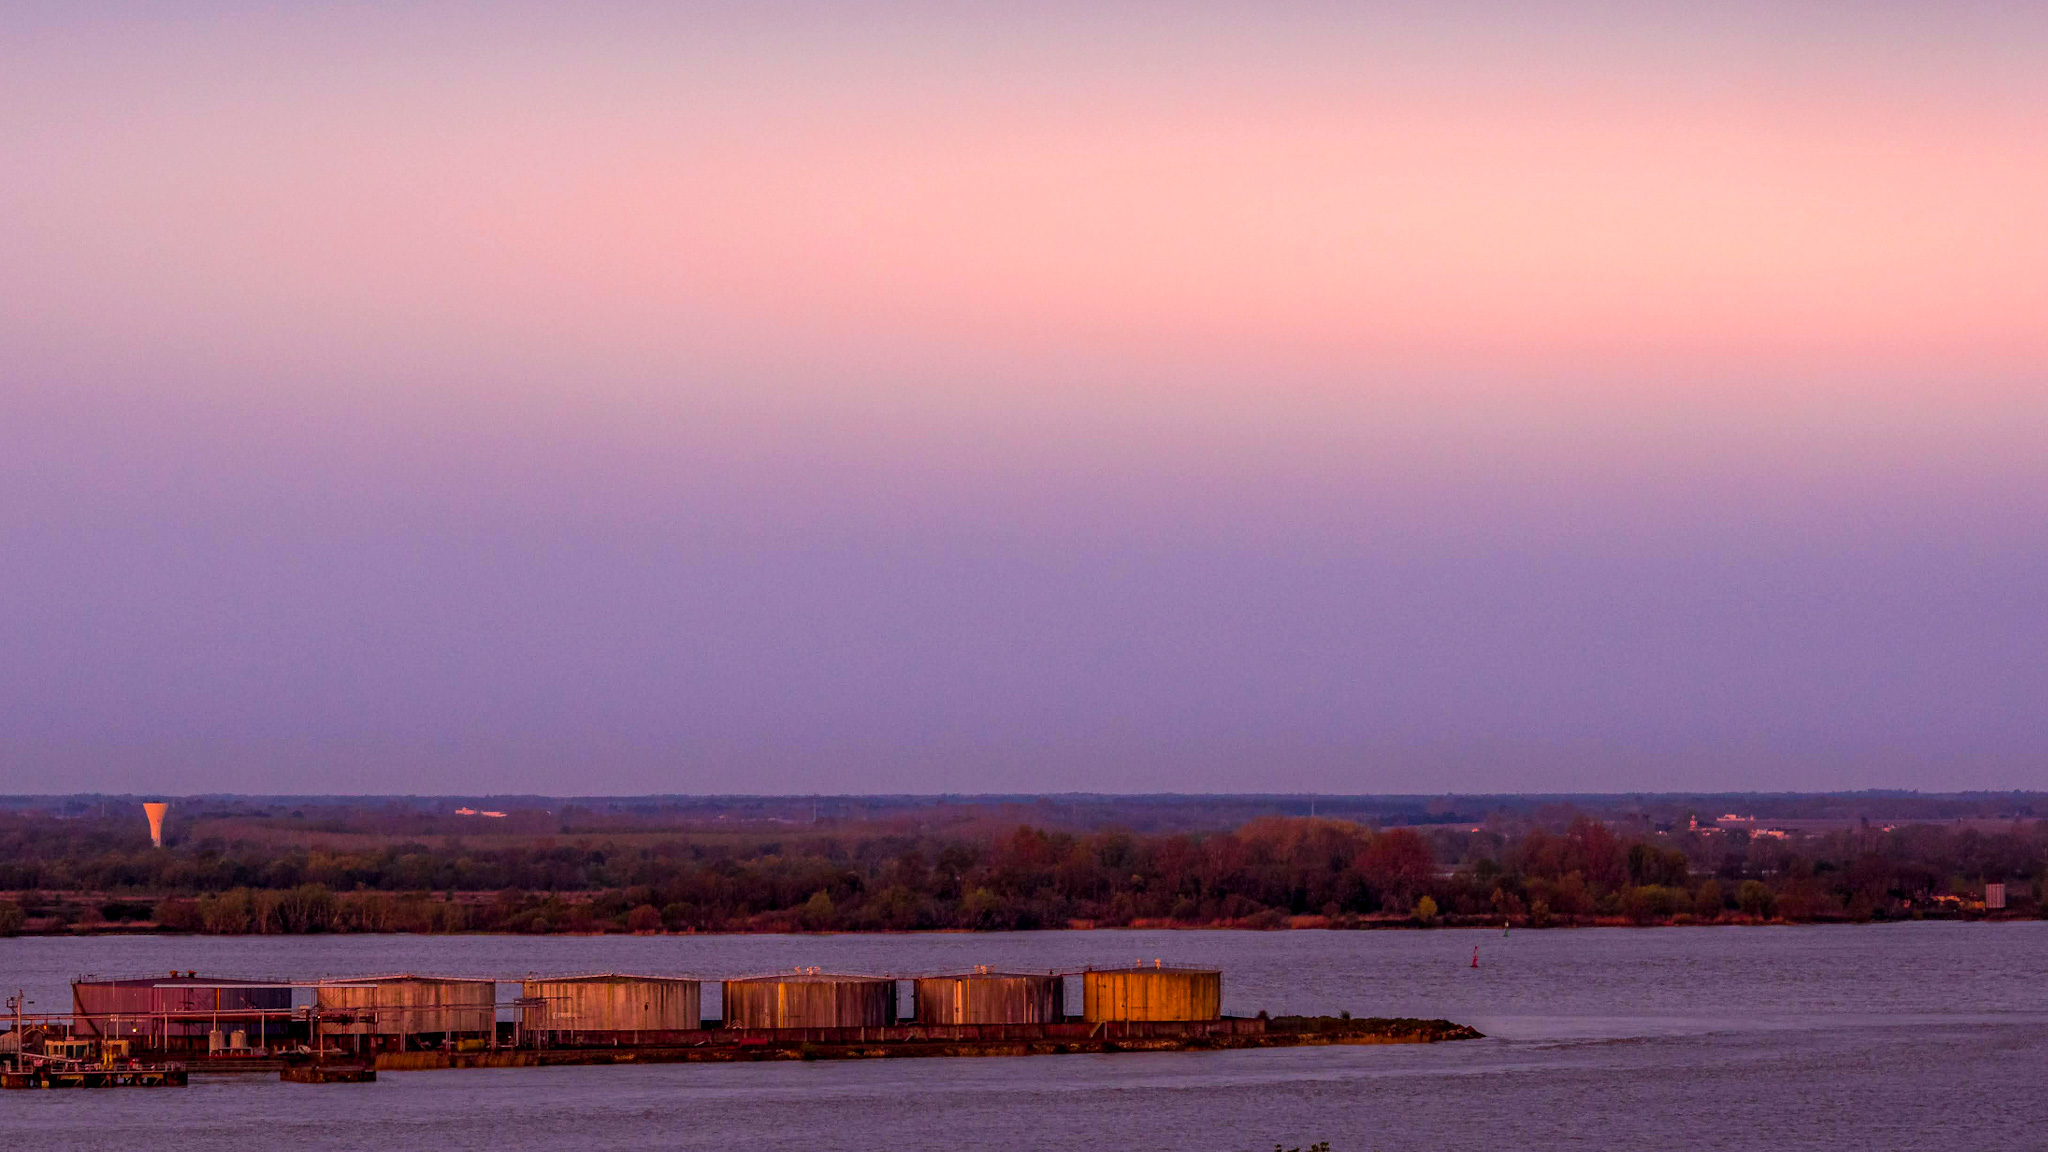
(16, 1003)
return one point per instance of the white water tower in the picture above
(155, 810)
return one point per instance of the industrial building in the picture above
(1154, 992)
(608, 1008)
(175, 1011)
(407, 1011)
(985, 996)
(810, 999)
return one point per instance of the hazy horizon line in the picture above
(1009, 796)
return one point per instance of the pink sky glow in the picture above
(907, 396)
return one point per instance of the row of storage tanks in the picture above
(614, 1003)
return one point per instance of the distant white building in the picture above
(1994, 896)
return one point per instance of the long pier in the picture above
(719, 1045)
(913, 1040)
(357, 1026)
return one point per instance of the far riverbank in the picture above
(86, 914)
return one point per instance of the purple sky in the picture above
(752, 399)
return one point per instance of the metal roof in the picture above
(593, 977)
(811, 976)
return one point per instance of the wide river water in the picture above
(1904, 1036)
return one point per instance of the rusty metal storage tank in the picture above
(176, 1010)
(609, 1005)
(1151, 992)
(408, 1005)
(810, 999)
(986, 996)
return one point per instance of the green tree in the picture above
(1650, 902)
(227, 914)
(818, 912)
(1708, 901)
(1756, 899)
(1651, 865)
(307, 908)
(985, 911)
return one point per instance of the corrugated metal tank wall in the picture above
(1152, 994)
(412, 1004)
(989, 998)
(135, 1007)
(614, 1003)
(810, 1001)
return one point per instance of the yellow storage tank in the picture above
(1155, 992)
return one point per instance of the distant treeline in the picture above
(1271, 872)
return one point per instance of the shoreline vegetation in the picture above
(428, 922)
(380, 869)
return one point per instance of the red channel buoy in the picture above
(1475, 955)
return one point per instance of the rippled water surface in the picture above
(1878, 1037)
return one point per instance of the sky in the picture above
(901, 397)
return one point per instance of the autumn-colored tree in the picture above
(1400, 865)
(1596, 853)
